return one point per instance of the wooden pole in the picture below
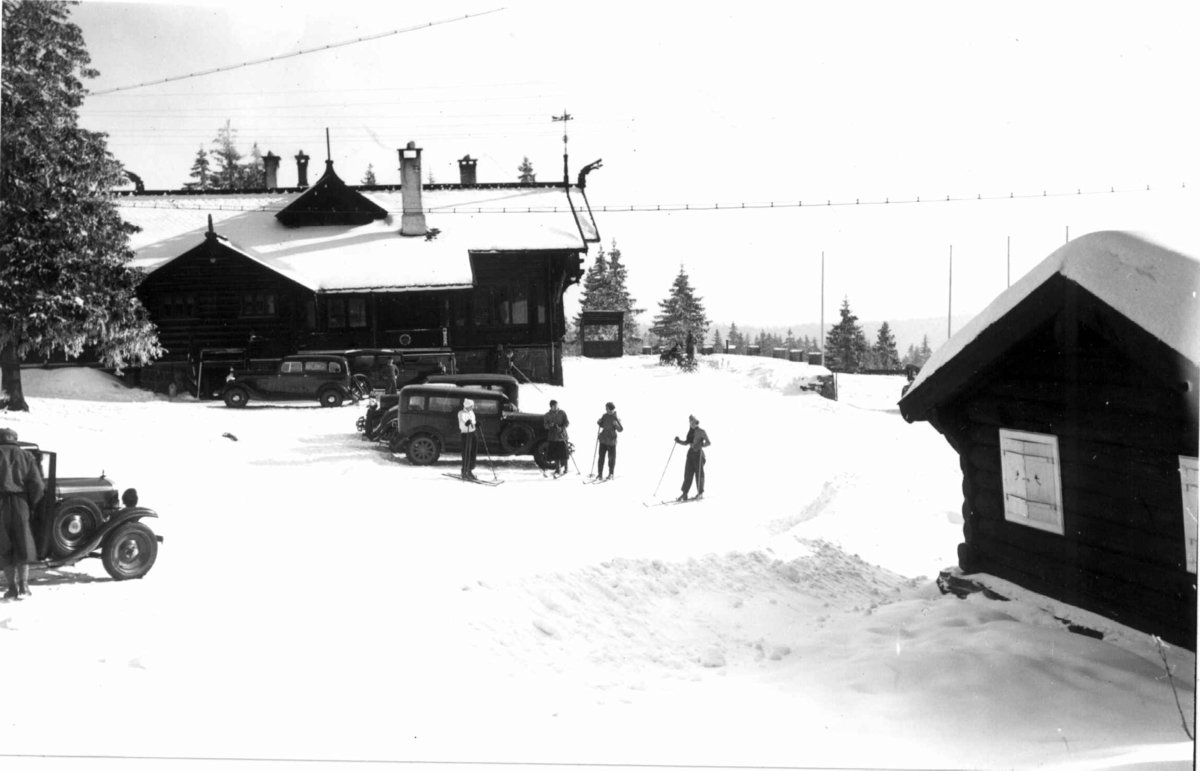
(1068, 234)
(823, 309)
(950, 293)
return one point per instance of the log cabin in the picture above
(1071, 401)
(242, 278)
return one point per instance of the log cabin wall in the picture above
(214, 297)
(1120, 430)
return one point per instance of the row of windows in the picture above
(504, 305)
(1033, 486)
(317, 367)
(426, 403)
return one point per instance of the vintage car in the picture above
(380, 421)
(323, 377)
(369, 366)
(80, 517)
(428, 425)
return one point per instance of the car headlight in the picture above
(129, 498)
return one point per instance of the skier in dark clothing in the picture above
(696, 441)
(609, 424)
(393, 375)
(556, 424)
(691, 346)
(21, 487)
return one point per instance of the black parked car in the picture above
(322, 377)
(80, 517)
(369, 366)
(382, 416)
(428, 425)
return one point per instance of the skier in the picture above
(691, 346)
(556, 424)
(466, 426)
(21, 487)
(609, 424)
(697, 440)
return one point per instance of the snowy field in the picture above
(316, 598)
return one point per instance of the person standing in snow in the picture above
(609, 424)
(21, 487)
(691, 346)
(466, 427)
(696, 441)
(556, 423)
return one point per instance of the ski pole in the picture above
(664, 474)
(491, 462)
(571, 452)
(595, 449)
(527, 380)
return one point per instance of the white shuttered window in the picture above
(1032, 480)
(1191, 506)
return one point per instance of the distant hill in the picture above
(906, 331)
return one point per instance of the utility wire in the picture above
(181, 203)
(296, 53)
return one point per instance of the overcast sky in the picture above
(705, 103)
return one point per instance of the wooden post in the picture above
(823, 363)
(950, 293)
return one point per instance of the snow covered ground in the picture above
(316, 598)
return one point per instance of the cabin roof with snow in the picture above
(369, 255)
(1152, 287)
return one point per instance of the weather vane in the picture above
(566, 116)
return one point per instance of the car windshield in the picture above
(487, 407)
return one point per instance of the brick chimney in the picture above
(302, 169)
(271, 166)
(412, 220)
(466, 170)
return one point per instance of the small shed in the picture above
(602, 334)
(1071, 401)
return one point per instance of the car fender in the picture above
(424, 429)
(120, 517)
(254, 392)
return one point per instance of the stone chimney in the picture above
(412, 220)
(466, 169)
(271, 166)
(301, 169)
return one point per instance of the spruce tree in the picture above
(201, 172)
(592, 293)
(681, 312)
(718, 343)
(369, 177)
(526, 168)
(845, 344)
(618, 295)
(886, 355)
(64, 249)
(252, 175)
(737, 343)
(228, 175)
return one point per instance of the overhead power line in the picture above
(295, 53)
(182, 203)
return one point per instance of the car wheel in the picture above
(331, 398)
(422, 450)
(129, 551)
(236, 397)
(516, 438)
(72, 524)
(539, 455)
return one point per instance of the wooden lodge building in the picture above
(1072, 404)
(240, 277)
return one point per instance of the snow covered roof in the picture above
(370, 257)
(1154, 287)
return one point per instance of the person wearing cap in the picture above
(696, 441)
(609, 424)
(21, 487)
(393, 375)
(466, 426)
(556, 423)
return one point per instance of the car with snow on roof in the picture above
(382, 415)
(81, 517)
(428, 425)
(323, 377)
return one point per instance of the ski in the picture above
(489, 483)
(597, 480)
(673, 502)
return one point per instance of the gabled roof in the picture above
(330, 202)
(1152, 287)
(371, 256)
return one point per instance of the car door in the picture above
(277, 386)
(442, 414)
(487, 417)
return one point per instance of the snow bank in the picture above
(80, 383)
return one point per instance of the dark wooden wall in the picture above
(218, 277)
(1120, 431)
